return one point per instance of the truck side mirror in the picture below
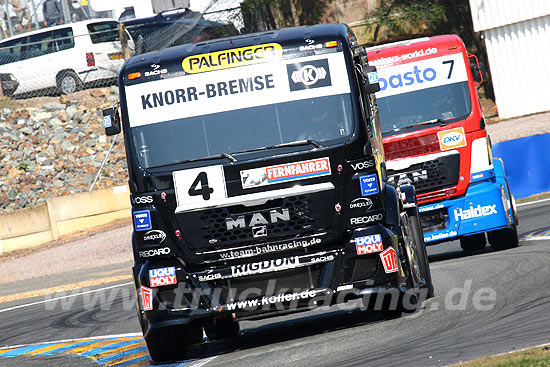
(370, 80)
(111, 121)
(478, 72)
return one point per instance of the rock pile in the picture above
(53, 146)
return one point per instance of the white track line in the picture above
(533, 202)
(70, 295)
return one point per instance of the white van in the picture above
(65, 57)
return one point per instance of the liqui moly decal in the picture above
(147, 298)
(285, 172)
(389, 260)
(162, 276)
(368, 244)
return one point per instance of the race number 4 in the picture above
(199, 185)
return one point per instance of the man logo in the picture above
(259, 231)
(258, 219)
(308, 75)
(314, 74)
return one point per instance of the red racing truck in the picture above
(434, 137)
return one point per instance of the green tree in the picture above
(396, 20)
(262, 15)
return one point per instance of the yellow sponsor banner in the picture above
(232, 58)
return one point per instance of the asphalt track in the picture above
(486, 303)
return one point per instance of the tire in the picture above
(221, 329)
(168, 344)
(68, 82)
(195, 334)
(507, 238)
(504, 239)
(473, 243)
(422, 253)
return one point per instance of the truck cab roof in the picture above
(290, 39)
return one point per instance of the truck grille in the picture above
(308, 214)
(432, 175)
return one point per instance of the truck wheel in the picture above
(195, 335)
(473, 243)
(221, 329)
(422, 253)
(169, 344)
(503, 239)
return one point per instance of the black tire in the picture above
(476, 242)
(422, 253)
(68, 82)
(168, 344)
(221, 329)
(504, 239)
(195, 334)
(507, 238)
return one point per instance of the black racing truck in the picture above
(258, 185)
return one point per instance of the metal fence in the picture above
(52, 141)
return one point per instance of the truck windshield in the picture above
(449, 102)
(326, 120)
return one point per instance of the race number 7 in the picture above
(451, 64)
(199, 185)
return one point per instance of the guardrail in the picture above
(527, 164)
(62, 216)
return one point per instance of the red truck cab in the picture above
(434, 137)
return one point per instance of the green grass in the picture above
(544, 195)
(534, 357)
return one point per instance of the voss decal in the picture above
(451, 139)
(428, 73)
(285, 172)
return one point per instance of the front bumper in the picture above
(310, 280)
(485, 207)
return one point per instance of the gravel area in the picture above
(519, 127)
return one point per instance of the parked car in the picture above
(174, 28)
(9, 84)
(64, 58)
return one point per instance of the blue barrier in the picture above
(527, 164)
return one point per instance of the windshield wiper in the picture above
(425, 123)
(207, 158)
(282, 145)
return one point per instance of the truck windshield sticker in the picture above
(451, 139)
(422, 74)
(313, 74)
(285, 172)
(224, 90)
(232, 58)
